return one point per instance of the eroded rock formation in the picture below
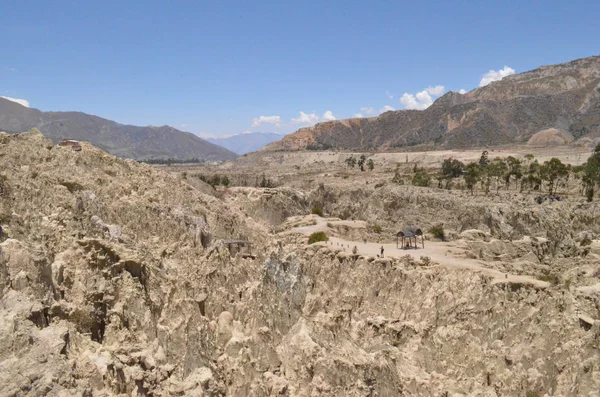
(114, 281)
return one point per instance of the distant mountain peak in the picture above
(246, 142)
(564, 97)
(140, 143)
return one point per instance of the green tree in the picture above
(350, 161)
(452, 168)
(361, 162)
(265, 182)
(472, 175)
(591, 173)
(495, 170)
(225, 181)
(484, 159)
(533, 176)
(515, 169)
(552, 171)
(370, 164)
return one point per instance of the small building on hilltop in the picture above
(72, 143)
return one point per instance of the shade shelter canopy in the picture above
(408, 236)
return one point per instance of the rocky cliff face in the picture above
(565, 97)
(114, 281)
(92, 244)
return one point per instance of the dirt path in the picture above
(439, 252)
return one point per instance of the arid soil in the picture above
(115, 279)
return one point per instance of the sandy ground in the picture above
(439, 252)
(574, 155)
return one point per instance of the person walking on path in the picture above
(382, 251)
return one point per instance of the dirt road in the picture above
(440, 252)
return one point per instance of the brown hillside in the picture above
(565, 97)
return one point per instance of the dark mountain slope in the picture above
(121, 140)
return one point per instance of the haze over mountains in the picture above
(126, 141)
(245, 143)
(551, 104)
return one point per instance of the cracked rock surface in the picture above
(115, 281)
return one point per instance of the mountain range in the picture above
(128, 141)
(554, 104)
(245, 143)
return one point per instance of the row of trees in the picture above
(215, 180)
(522, 173)
(265, 182)
(502, 171)
(362, 161)
(223, 180)
(590, 173)
(173, 161)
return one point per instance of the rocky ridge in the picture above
(565, 97)
(126, 141)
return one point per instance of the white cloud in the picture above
(495, 75)
(367, 110)
(22, 102)
(370, 112)
(462, 91)
(435, 91)
(275, 120)
(328, 116)
(423, 99)
(304, 118)
(390, 96)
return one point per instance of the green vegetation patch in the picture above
(317, 236)
(438, 232)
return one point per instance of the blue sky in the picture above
(216, 67)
